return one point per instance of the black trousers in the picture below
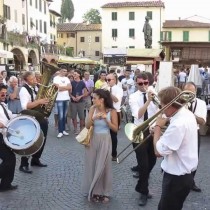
(37, 155)
(7, 167)
(175, 189)
(199, 143)
(146, 160)
(114, 138)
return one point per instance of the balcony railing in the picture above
(53, 49)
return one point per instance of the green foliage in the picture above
(69, 51)
(67, 10)
(93, 16)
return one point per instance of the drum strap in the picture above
(5, 111)
(30, 91)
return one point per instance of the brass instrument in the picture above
(46, 90)
(136, 133)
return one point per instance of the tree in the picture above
(67, 10)
(93, 16)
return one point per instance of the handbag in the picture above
(84, 136)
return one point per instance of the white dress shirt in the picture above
(199, 109)
(3, 118)
(179, 144)
(25, 97)
(118, 93)
(136, 101)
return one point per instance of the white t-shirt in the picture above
(62, 81)
(182, 76)
(130, 86)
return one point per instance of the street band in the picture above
(178, 144)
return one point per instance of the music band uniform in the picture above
(146, 158)
(178, 146)
(28, 94)
(7, 166)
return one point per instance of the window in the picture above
(166, 36)
(40, 26)
(30, 2)
(131, 46)
(83, 52)
(31, 23)
(36, 4)
(114, 32)
(185, 36)
(149, 14)
(96, 53)
(61, 35)
(16, 16)
(45, 10)
(72, 35)
(114, 15)
(37, 25)
(131, 15)
(114, 46)
(45, 27)
(7, 12)
(82, 39)
(40, 5)
(67, 35)
(131, 32)
(23, 19)
(209, 36)
(97, 39)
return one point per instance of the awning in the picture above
(144, 53)
(76, 60)
(145, 62)
(6, 54)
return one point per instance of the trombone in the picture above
(136, 133)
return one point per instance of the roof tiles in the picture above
(78, 27)
(184, 24)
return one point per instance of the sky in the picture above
(173, 8)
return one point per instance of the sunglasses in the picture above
(108, 80)
(143, 83)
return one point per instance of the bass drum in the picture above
(23, 135)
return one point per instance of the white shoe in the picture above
(59, 135)
(65, 133)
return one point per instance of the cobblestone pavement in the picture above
(58, 186)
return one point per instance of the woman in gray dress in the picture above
(13, 95)
(97, 181)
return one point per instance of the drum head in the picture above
(21, 133)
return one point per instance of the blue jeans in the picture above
(62, 107)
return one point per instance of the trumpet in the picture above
(136, 133)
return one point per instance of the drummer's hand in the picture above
(44, 101)
(161, 121)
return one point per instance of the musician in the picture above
(7, 166)
(178, 145)
(199, 109)
(142, 108)
(116, 95)
(27, 98)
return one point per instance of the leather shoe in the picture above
(25, 169)
(196, 188)
(38, 164)
(114, 158)
(10, 187)
(136, 175)
(143, 200)
(135, 168)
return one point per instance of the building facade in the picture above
(123, 22)
(83, 39)
(186, 42)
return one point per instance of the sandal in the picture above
(95, 198)
(104, 199)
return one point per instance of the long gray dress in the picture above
(97, 178)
